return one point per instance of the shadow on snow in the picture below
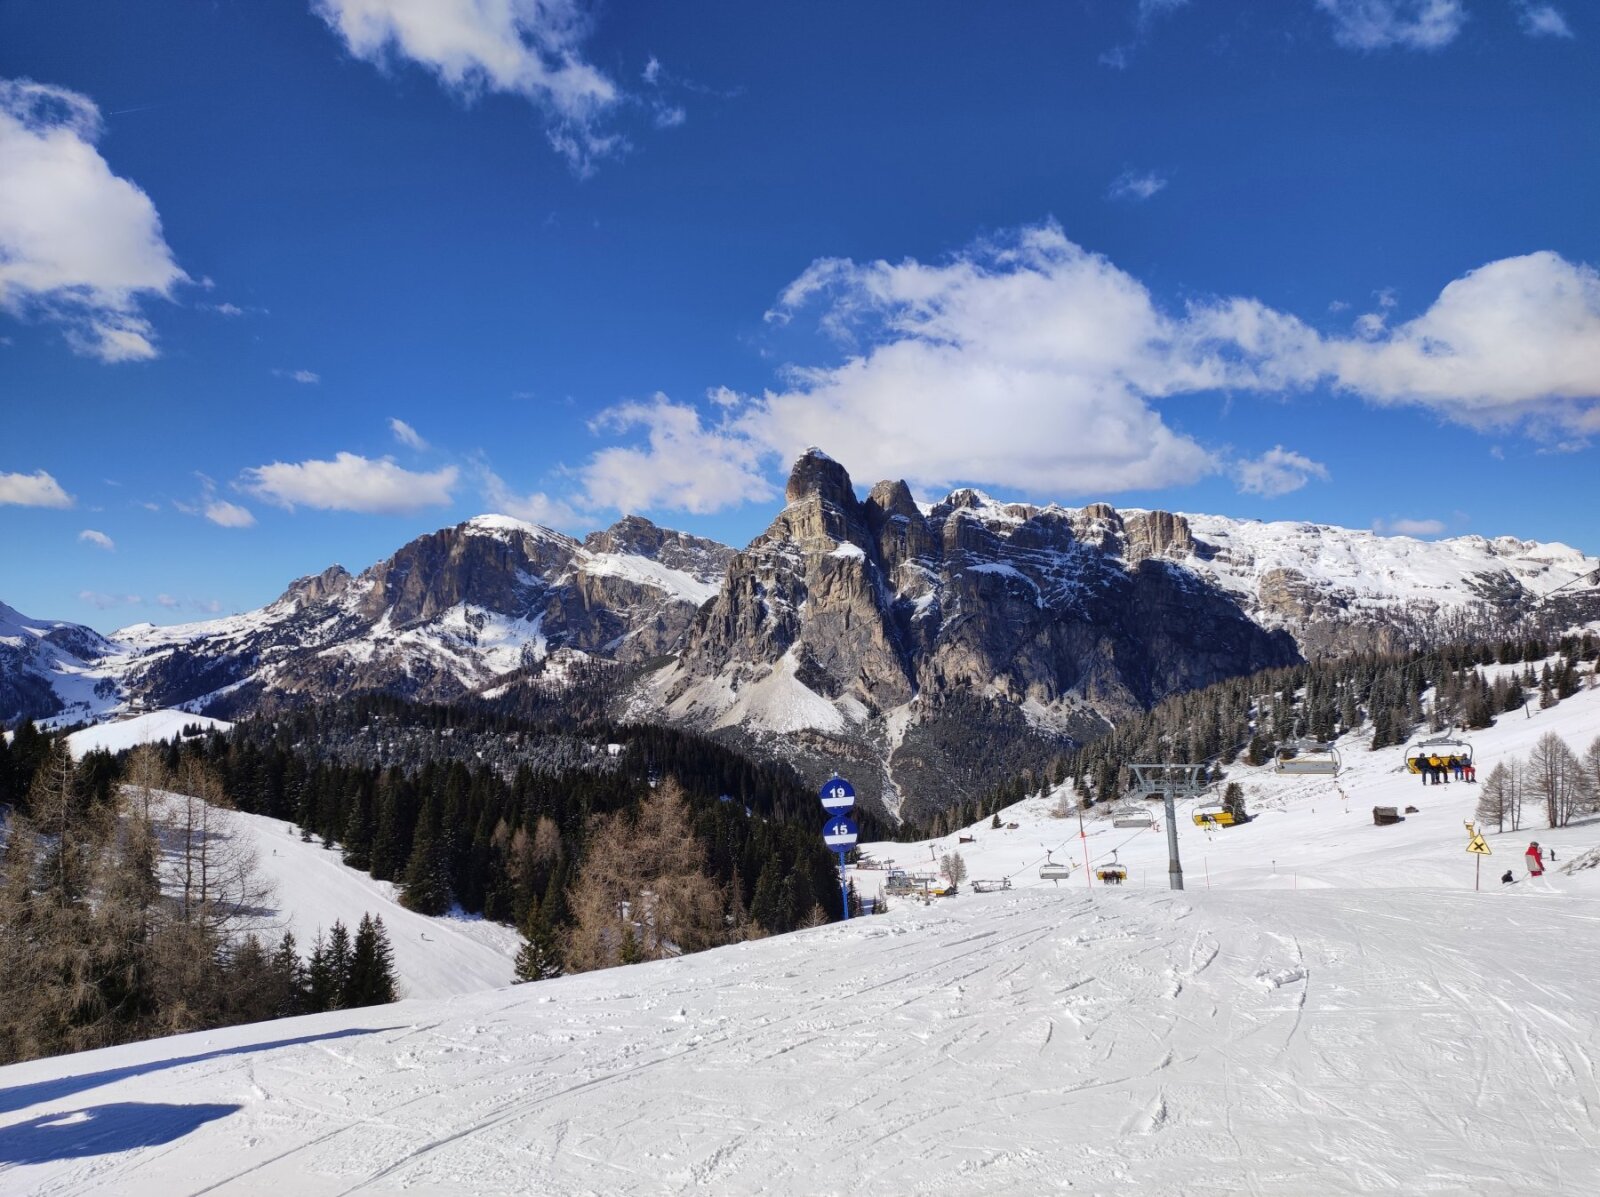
(101, 1130)
(22, 1096)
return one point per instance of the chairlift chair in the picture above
(1309, 758)
(1213, 814)
(1442, 747)
(1051, 871)
(1132, 814)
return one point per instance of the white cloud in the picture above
(1514, 341)
(528, 48)
(1135, 185)
(305, 377)
(1408, 527)
(106, 601)
(99, 539)
(1381, 24)
(78, 245)
(1544, 20)
(37, 489)
(1276, 472)
(537, 508)
(684, 466)
(351, 483)
(1028, 363)
(406, 434)
(228, 515)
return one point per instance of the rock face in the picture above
(854, 621)
(444, 618)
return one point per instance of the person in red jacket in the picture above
(1535, 860)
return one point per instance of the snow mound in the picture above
(149, 728)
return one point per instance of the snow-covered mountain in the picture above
(445, 617)
(934, 650)
(48, 667)
(1371, 1024)
(899, 641)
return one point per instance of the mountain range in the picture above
(924, 650)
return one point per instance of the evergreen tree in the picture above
(370, 980)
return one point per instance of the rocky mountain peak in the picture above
(816, 475)
(313, 588)
(635, 536)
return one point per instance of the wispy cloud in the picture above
(1386, 24)
(1276, 472)
(536, 507)
(1135, 185)
(527, 48)
(1543, 20)
(1401, 526)
(350, 482)
(304, 377)
(104, 602)
(37, 489)
(79, 246)
(407, 435)
(99, 539)
(228, 515)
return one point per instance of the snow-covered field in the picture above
(1369, 1025)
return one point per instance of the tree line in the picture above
(129, 909)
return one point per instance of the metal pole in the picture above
(1084, 836)
(1174, 866)
(1477, 872)
(844, 888)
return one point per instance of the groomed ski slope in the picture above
(1106, 1042)
(1354, 1019)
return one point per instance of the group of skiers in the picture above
(1535, 860)
(1436, 769)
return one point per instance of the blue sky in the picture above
(283, 285)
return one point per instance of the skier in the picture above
(1535, 860)
(1436, 768)
(1508, 879)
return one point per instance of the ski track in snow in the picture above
(1017, 1042)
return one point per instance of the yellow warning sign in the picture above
(1478, 846)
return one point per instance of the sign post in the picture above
(1479, 849)
(839, 832)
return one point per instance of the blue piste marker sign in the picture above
(839, 832)
(837, 795)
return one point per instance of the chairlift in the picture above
(1444, 747)
(987, 886)
(1213, 814)
(1308, 758)
(1113, 874)
(1051, 871)
(1132, 814)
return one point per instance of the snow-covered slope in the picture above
(1369, 1025)
(149, 728)
(1306, 832)
(1135, 1042)
(433, 957)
